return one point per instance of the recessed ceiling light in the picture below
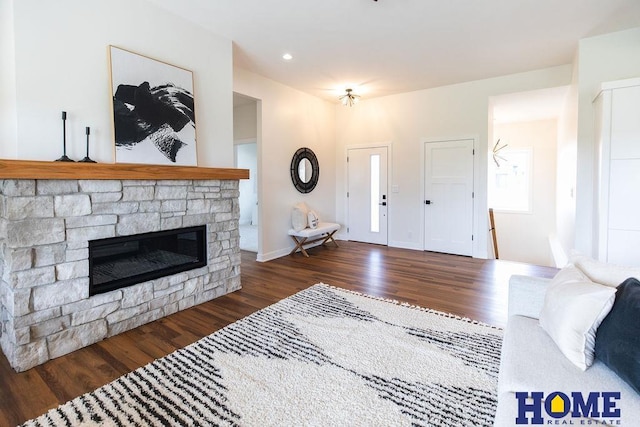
(287, 57)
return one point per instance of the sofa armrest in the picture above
(526, 295)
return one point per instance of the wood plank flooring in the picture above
(464, 286)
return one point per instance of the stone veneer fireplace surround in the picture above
(45, 227)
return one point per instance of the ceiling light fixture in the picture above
(349, 98)
(287, 57)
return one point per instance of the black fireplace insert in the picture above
(118, 262)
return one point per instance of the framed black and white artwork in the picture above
(153, 110)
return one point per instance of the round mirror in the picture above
(304, 170)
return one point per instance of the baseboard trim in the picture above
(272, 255)
(406, 245)
(279, 253)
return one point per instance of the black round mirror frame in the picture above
(299, 156)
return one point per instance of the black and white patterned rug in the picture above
(322, 357)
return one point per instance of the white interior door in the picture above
(449, 197)
(367, 195)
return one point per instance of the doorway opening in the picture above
(246, 156)
(530, 175)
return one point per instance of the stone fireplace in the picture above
(46, 226)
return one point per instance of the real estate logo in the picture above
(575, 408)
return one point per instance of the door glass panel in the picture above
(375, 193)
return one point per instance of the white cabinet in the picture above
(618, 203)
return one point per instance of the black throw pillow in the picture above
(618, 337)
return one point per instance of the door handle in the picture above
(383, 204)
(427, 202)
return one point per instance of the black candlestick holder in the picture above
(87, 159)
(64, 157)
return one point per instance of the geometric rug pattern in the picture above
(324, 356)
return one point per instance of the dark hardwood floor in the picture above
(464, 286)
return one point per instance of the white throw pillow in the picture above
(312, 219)
(602, 272)
(299, 216)
(573, 309)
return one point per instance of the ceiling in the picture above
(390, 46)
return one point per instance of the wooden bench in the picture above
(324, 231)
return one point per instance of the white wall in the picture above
(447, 112)
(287, 120)
(566, 169)
(604, 58)
(61, 63)
(245, 122)
(8, 116)
(524, 237)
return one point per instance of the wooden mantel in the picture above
(29, 169)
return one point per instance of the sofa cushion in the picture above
(526, 295)
(618, 338)
(602, 272)
(530, 361)
(573, 309)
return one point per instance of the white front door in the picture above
(448, 198)
(367, 195)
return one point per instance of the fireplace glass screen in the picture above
(123, 261)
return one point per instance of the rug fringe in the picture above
(411, 306)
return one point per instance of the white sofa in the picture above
(531, 361)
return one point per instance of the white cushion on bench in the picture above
(323, 227)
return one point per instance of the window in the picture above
(510, 183)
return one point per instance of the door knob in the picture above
(427, 202)
(383, 204)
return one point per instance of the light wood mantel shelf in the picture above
(29, 169)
